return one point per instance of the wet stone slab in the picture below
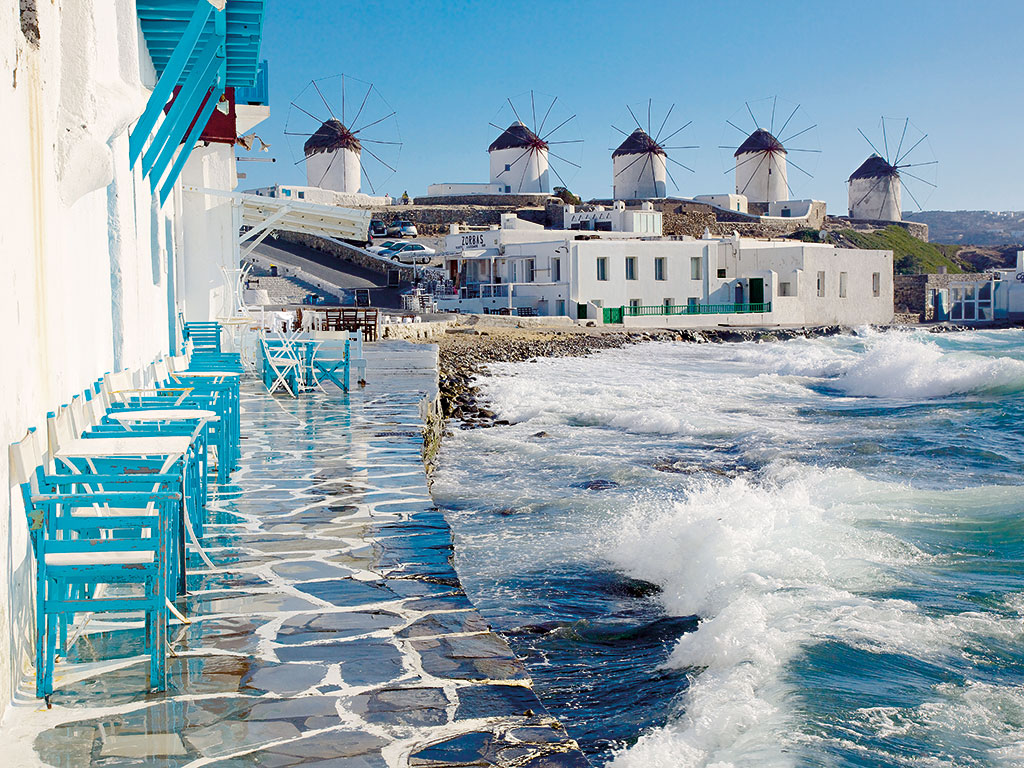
(332, 625)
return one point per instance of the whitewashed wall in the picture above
(876, 198)
(338, 170)
(761, 176)
(639, 176)
(85, 250)
(528, 172)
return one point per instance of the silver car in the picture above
(402, 228)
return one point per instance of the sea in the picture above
(793, 553)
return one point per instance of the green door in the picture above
(756, 290)
(613, 315)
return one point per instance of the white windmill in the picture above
(522, 155)
(761, 163)
(876, 187)
(640, 163)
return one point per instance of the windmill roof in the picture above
(873, 168)
(637, 143)
(330, 136)
(760, 141)
(515, 136)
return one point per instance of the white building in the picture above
(644, 221)
(1000, 297)
(105, 236)
(761, 168)
(875, 190)
(321, 196)
(333, 158)
(629, 278)
(639, 168)
(728, 202)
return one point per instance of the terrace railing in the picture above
(615, 314)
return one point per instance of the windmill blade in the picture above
(916, 144)
(740, 165)
(915, 165)
(331, 111)
(545, 119)
(545, 136)
(800, 133)
(647, 157)
(885, 140)
(634, 117)
(751, 113)
(671, 178)
(570, 162)
(871, 189)
(363, 104)
(744, 190)
(374, 156)
(328, 168)
(771, 129)
(368, 181)
(923, 181)
(533, 106)
(296, 133)
(906, 125)
(790, 162)
(873, 147)
(663, 122)
(378, 141)
(558, 175)
(677, 130)
(374, 123)
(513, 163)
(621, 131)
(791, 114)
(910, 192)
(772, 157)
(567, 141)
(514, 110)
(881, 207)
(816, 151)
(626, 168)
(308, 113)
(687, 146)
(745, 133)
(654, 179)
(673, 160)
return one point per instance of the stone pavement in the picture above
(333, 631)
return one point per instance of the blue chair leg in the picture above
(40, 635)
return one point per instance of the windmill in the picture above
(640, 163)
(761, 162)
(523, 152)
(344, 131)
(876, 187)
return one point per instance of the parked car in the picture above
(402, 228)
(410, 253)
(378, 228)
(384, 246)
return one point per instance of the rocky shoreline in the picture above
(465, 354)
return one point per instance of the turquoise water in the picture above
(798, 553)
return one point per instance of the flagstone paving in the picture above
(333, 630)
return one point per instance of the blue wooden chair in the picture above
(96, 550)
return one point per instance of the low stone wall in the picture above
(499, 201)
(415, 331)
(914, 228)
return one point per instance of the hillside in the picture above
(985, 228)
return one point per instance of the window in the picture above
(667, 304)
(721, 273)
(659, 268)
(842, 285)
(876, 284)
(530, 271)
(692, 302)
(556, 270)
(602, 268)
(821, 284)
(515, 275)
(287, 192)
(302, 195)
(508, 189)
(631, 267)
(508, 166)
(634, 303)
(786, 289)
(696, 273)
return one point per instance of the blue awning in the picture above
(164, 23)
(202, 47)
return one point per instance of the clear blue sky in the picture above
(954, 68)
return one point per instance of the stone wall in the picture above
(914, 228)
(475, 201)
